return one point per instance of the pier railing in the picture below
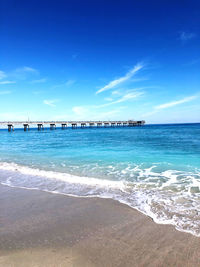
(73, 124)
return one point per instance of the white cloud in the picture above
(170, 104)
(5, 92)
(128, 96)
(90, 112)
(2, 74)
(50, 102)
(7, 82)
(186, 36)
(39, 80)
(175, 103)
(116, 82)
(19, 73)
(24, 73)
(26, 69)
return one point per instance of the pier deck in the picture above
(65, 124)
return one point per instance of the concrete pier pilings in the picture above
(26, 126)
(52, 126)
(106, 124)
(63, 126)
(74, 124)
(83, 125)
(10, 127)
(40, 126)
(91, 124)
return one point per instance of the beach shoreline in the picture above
(45, 229)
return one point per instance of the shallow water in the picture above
(154, 168)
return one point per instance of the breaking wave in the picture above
(169, 197)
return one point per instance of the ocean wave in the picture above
(169, 197)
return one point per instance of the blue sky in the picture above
(100, 60)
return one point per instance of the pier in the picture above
(10, 127)
(83, 124)
(26, 126)
(63, 125)
(40, 126)
(53, 126)
(73, 124)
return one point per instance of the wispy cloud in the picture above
(128, 96)
(39, 81)
(2, 74)
(186, 36)
(175, 103)
(118, 81)
(124, 98)
(21, 73)
(158, 108)
(50, 102)
(91, 111)
(7, 82)
(27, 69)
(24, 73)
(5, 92)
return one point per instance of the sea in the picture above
(153, 168)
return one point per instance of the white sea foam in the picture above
(169, 197)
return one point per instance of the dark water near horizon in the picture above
(153, 168)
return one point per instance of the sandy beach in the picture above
(45, 229)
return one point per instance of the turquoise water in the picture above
(153, 168)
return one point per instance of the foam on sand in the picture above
(169, 197)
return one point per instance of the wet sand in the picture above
(44, 229)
